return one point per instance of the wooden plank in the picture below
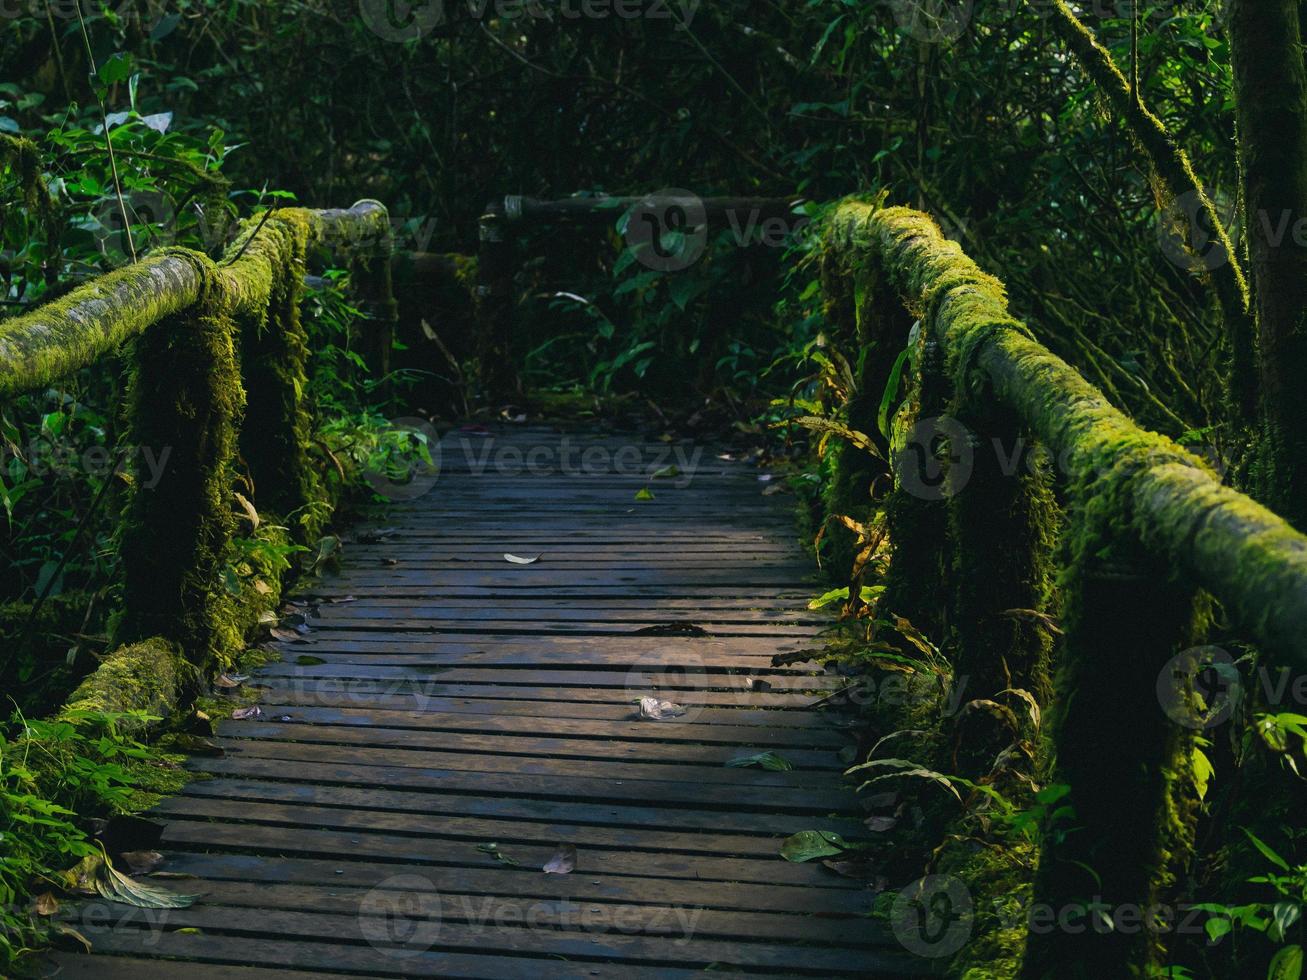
(441, 851)
(646, 813)
(597, 748)
(769, 798)
(502, 880)
(401, 754)
(579, 720)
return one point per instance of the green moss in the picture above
(150, 676)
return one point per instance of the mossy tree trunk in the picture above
(1271, 106)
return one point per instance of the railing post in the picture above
(274, 359)
(184, 402)
(495, 306)
(1105, 867)
(925, 476)
(1002, 523)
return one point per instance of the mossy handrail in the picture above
(1150, 524)
(217, 343)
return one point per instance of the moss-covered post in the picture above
(184, 402)
(925, 477)
(1105, 867)
(1002, 526)
(274, 356)
(375, 284)
(495, 305)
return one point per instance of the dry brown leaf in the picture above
(286, 636)
(245, 714)
(45, 904)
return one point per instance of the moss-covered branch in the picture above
(1171, 165)
(1154, 491)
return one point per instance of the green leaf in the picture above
(808, 845)
(645, 494)
(1286, 964)
(1203, 771)
(890, 395)
(1283, 916)
(1266, 850)
(827, 598)
(763, 760)
(117, 69)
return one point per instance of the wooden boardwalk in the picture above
(458, 717)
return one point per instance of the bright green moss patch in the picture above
(151, 676)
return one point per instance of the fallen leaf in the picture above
(563, 862)
(287, 636)
(494, 851)
(262, 588)
(64, 929)
(115, 886)
(304, 660)
(666, 473)
(645, 494)
(879, 824)
(517, 560)
(390, 561)
(141, 862)
(807, 845)
(284, 718)
(45, 904)
(339, 600)
(245, 714)
(774, 488)
(651, 709)
(758, 684)
(763, 760)
(226, 681)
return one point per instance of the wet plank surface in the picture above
(447, 700)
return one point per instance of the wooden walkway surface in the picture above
(457, 701)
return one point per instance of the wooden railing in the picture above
(217, 368)
(1150, 525)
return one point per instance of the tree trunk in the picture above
(1271, 104)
